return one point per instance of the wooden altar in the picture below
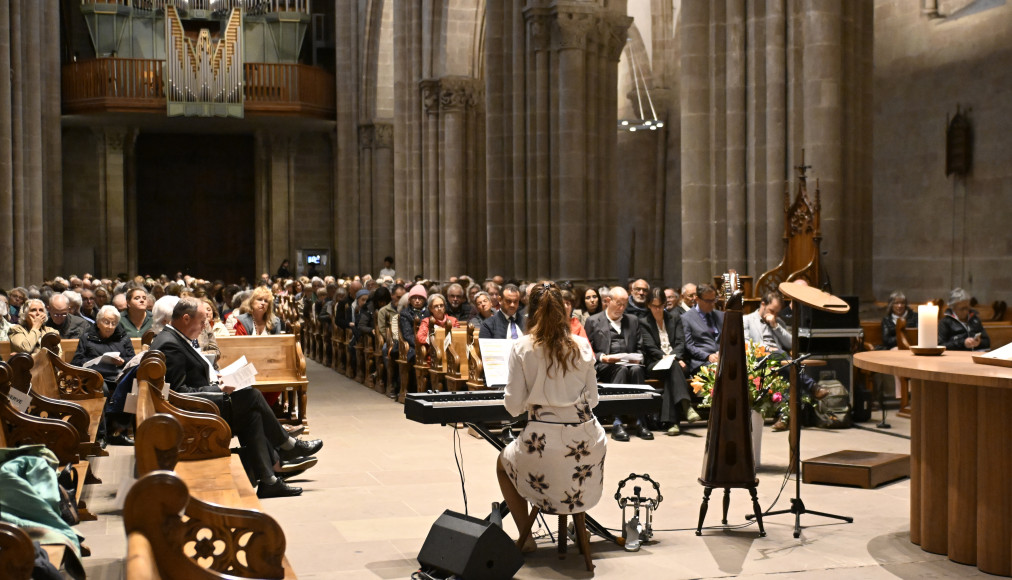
(960, 455)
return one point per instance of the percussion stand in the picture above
(816, 299)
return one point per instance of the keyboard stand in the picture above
(504, 510)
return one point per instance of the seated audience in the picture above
(269, 448)
(896, 309)
(60, 318)
(703, 326)
(661, 335)
(765, 327)
(415, 310)
(136, 320)
(437, 317)
(638, 293)
(482, 309)
(670, 299)
(206, 341)
(591, 304)
(960, 328)
(613, 334)
(5, 325)
(506, 323)
(688, 297)
(17, 299)
(105, 337)
(26, 336)
(88, 308)
(493, 289)
(575, 326)
(457, 306)
(260, 320)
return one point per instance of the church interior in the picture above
(854, 145)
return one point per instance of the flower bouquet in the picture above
(767, 391)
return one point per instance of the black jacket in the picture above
(598, 329)
(650, 338)
(889, 329)
(91, 345)
(952, 333)
(73, 327)
(186, 370)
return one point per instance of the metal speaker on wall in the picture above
(958, 145)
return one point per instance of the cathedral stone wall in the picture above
(933, 232)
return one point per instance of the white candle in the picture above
(927, 326)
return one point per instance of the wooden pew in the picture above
(280, 364)
(404, 370)
(457, 360)
(381, 374)
(211, 488)
(421, 366)
(475, 368)
(17, 554)
(338, 343)
(368, 360)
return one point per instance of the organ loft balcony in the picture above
(198, 58)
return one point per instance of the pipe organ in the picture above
(203, 78)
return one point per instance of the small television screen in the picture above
(313, 259)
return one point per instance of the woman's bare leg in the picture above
(515, 501)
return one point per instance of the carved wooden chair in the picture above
(17, 554)
(421, 366)
(802, 239)
(475, 367)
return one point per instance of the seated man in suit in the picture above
(614, 333)
(764, 326)
(703, 325)
(688, 297)
(268, 446)
(506, 323)
(69, 325)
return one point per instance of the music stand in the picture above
(815, 298)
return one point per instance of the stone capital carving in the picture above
(539, 26)
(450, 94)
(383, 136)
(573, 29)
(366, 136)
(615, 36)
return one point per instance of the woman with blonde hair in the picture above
(260, 319)
(557, 462)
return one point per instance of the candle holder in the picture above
(927, 350)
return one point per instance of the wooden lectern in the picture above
(727, 459)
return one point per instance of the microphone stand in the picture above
(881, 403)
(797, 506)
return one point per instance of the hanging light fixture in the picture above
(643, 122)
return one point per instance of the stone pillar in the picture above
(112, 239)
(280, 201)
(364, 211)
(383, 193)
(695, 123)
(52, 259)
(347, 235)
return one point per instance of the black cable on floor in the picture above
(882, 431)
(458, 448)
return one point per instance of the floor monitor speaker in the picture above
(471, 548)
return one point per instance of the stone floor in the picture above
(383, 480)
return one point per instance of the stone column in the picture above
(114, 241)
(347, 236)
(455, 97)
(364, 210)
(383, 193)
(279, 202)
(695, 114)
(52, 259)
(823, 116)
(7, 193)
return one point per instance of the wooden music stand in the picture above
(800, 294)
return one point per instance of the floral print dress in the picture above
(557, 462)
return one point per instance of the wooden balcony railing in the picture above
(135, 85)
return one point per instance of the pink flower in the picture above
(756, 382)
(777, 397)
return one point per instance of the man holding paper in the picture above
(269, 447)
(614, 336)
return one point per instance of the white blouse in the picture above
(529, 382)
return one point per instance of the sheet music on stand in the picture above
(495, 353)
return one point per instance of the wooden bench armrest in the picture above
(254, 543)
(68, 411)
(75, 382)
(20, 429)
(17, 554)
(193, 404)
(140, 562)
(204, 435)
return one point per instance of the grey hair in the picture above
(73, 297)
(107, 310)
(432, 297)
(22, 315)
(161, 312)
(897, 296)
(958, 295)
